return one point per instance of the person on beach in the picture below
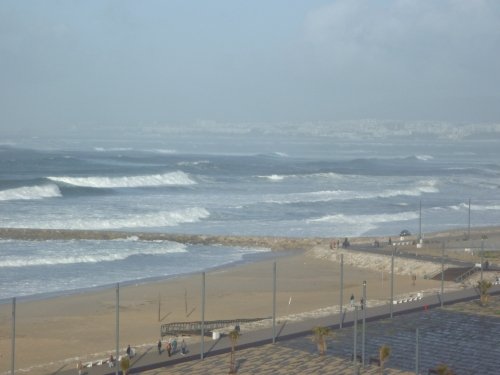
(352, 300)
(128, 350)
(111, 361)
(79, 367)
(183, 347)
(159, 346)
(362, 303)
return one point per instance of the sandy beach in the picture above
(54, 333)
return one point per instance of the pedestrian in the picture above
(79, 367)
(352, 300)
(362, 303)
(183, 347)
(174, 345)
(128, 350)
(169, 348)
(159, 346)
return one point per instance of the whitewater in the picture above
(316, 187)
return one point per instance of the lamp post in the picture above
(392, 282)
(13, 351)
(117, 327)
(355, 349)
(341, 289)
(363, 307)
(442, 276)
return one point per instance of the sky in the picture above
(94, 64)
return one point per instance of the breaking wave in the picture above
(90, 254)
(166, 179)
(30, 192)
(344, 195)
(366, 219)
(154, 220)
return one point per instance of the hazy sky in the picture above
(96, 63)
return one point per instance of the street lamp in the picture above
(355, 349)
(363, 307)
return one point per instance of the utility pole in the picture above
(274, 302)
(392, 281)
(442, 275)
(341, 289)
(117, 333)
(13, 351)
(468, 231)
(420, 223)
(202, 354)
(363, 307)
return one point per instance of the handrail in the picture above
(466, 274)
(195, 327)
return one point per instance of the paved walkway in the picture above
(468, 342)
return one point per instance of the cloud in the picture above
(406, 31)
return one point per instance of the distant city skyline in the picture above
(92, 66)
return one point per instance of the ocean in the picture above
(298, 187)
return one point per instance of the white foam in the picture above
(156, 219)
(30, 192)
(366, 219)
(343, 195)
(166, 179)
(424, 157)
(94, 254)
(277, 177)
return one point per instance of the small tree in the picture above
(125, 364)
(234, 335)
(443, 369)
(320, 335)
(383, 355)
(484, 287)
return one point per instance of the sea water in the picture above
(303, 187)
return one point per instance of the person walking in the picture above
(169, 348)
(183, 347)
(128, 350)
(159, 346)
(352, 300)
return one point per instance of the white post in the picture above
(117, 333)
(13, 351)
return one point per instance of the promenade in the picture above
(465, 341)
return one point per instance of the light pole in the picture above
(117, 327)
(482, 259)
(355, 349)
(202, 343)
(363, 307)
(341, 289)
(392, 281)
(13, 352)
(442, 275)
(274, 302)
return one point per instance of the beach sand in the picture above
(54, 333)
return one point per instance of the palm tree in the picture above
(443, 369)
(233, 337)
(125, 364)
(320, 335)
(484, 286)
(383, 355)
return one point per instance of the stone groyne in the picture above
(273, 243)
